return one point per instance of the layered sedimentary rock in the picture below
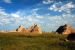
(21, 29)
(65, 29)
(33, 29)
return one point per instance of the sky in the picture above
(48, 14)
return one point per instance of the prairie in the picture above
(45, 41)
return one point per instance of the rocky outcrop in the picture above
(65, 29)
(21, 29)
(33, 29)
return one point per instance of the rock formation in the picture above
(33, 29)
(65, 29)
(21, 29)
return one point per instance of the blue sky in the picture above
(48, 14)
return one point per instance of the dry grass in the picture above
(45, 41)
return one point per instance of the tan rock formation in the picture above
(21, 29)
(65, 29)
(35, 29)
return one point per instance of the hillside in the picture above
(45, 41)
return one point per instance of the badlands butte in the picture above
(64, 29)
(32, 29)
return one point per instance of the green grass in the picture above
(45, 41)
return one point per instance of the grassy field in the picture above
(45, 41)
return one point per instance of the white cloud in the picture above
(45, 21)
(69, 5)
(40, 17)
(15, 15)
(29, 18)
(47, 1)
(4, 21)
(3, 16)
(36, 9)
(34, 17)
(6, 18)
(60, 7)
(17, 18)
(55, 21)
(7, 1)
(34, 13)
(2, 11)
(55, 7)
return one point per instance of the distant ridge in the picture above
(65, 29)
(32, 29)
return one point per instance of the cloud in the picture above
(69, 5)
(56, 21)
(39, 17)
(3, 17)
(60, 7)
(10, 18)
(4, 21)
(47, 22)
(16, 14)
(34, 13)
(56, 7)
(2, 11)
(32, 19)
(47, 1)
(7, 1)
(29, 18)
(36, 9)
